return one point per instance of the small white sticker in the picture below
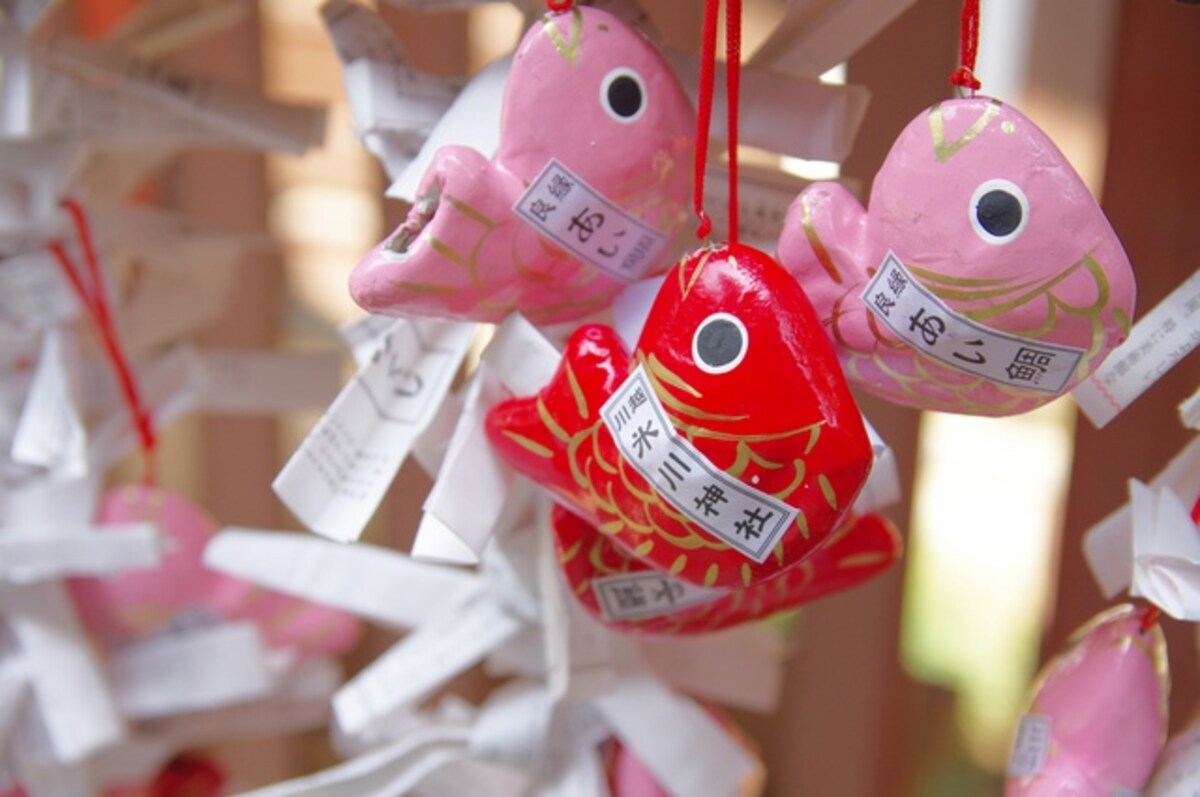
(749, 520)
(927, 324)
(1162, 338)
(647, 594)
(1031, 748)
(561, 206)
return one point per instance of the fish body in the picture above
(1098, 717)
(591, 93)
(181, 590)
(862, 547)
(987, 215)
(735, 357)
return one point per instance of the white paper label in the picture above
(50, 433)
(749, 520)
(1163, 337)
(647, 594)
(927, 324)
(421, 662)
(1031, 747)
(32, 553)
(191, 670)
(561, 206)
(338, 476)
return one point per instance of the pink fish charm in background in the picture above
(1099, 714)
(182, 590)
(986, 215)
(594, 95)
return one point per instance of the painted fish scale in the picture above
(987, 215)
(462, 252)
(861, 548)
(779, 419)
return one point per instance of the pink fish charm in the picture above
(181, 589)
(988, 217)
(1099, 715)
(591, 93)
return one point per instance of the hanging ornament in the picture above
(982, 278)
(587, 191)
(630, 595)
(1098, 717)
(181, 592)
(726, 448)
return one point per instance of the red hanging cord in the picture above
(733, 58)
(94, 298)
(968, 46)
(708, 66)
(558, 6)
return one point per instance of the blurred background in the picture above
(910, 685)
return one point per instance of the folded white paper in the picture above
(1108, 546)
(375, 583)
(50, 433)
(190, 670)
(68, 684)
(1156, 344)
(1166, 552)
(36, 553)
(338, 476)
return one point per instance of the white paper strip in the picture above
(33, 292)
(577, 217)
(1108, 546)
(882, 488)
(517, 361)
(336, 479)
(816, 35)
(362, 579)
(472, 120)
(685, 748)
(1189, 411)
(779, 112)
(1155, 345)
(267, 382)
(13, 686)
(922, 320)
(240, 115)
(72, 695)
(1166, 552)
(29, 554)
(428, 657)
(50, 433)
(390, 771)
(747, 519)
(190, 670)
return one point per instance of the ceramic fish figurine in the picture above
(1017, 285)
(181, 590)
(594, 96)
(738, 448)
(629, 595)
(1098, 717)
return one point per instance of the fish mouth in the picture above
(419, 216)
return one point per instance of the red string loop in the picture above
(1150, 617)
(559, 6)
(708, 68)
(93, 297)
(968, 46)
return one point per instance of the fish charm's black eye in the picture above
(623, 95)
(999, 211)
(720, 343)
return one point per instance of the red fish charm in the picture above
(725, 450)
(629, 595)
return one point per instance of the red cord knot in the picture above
(965, 78)
(1150, 617)
(559, 6)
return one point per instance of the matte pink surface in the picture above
(1062, 277)
(182, 590)
(463, 253)
(1106, 699)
